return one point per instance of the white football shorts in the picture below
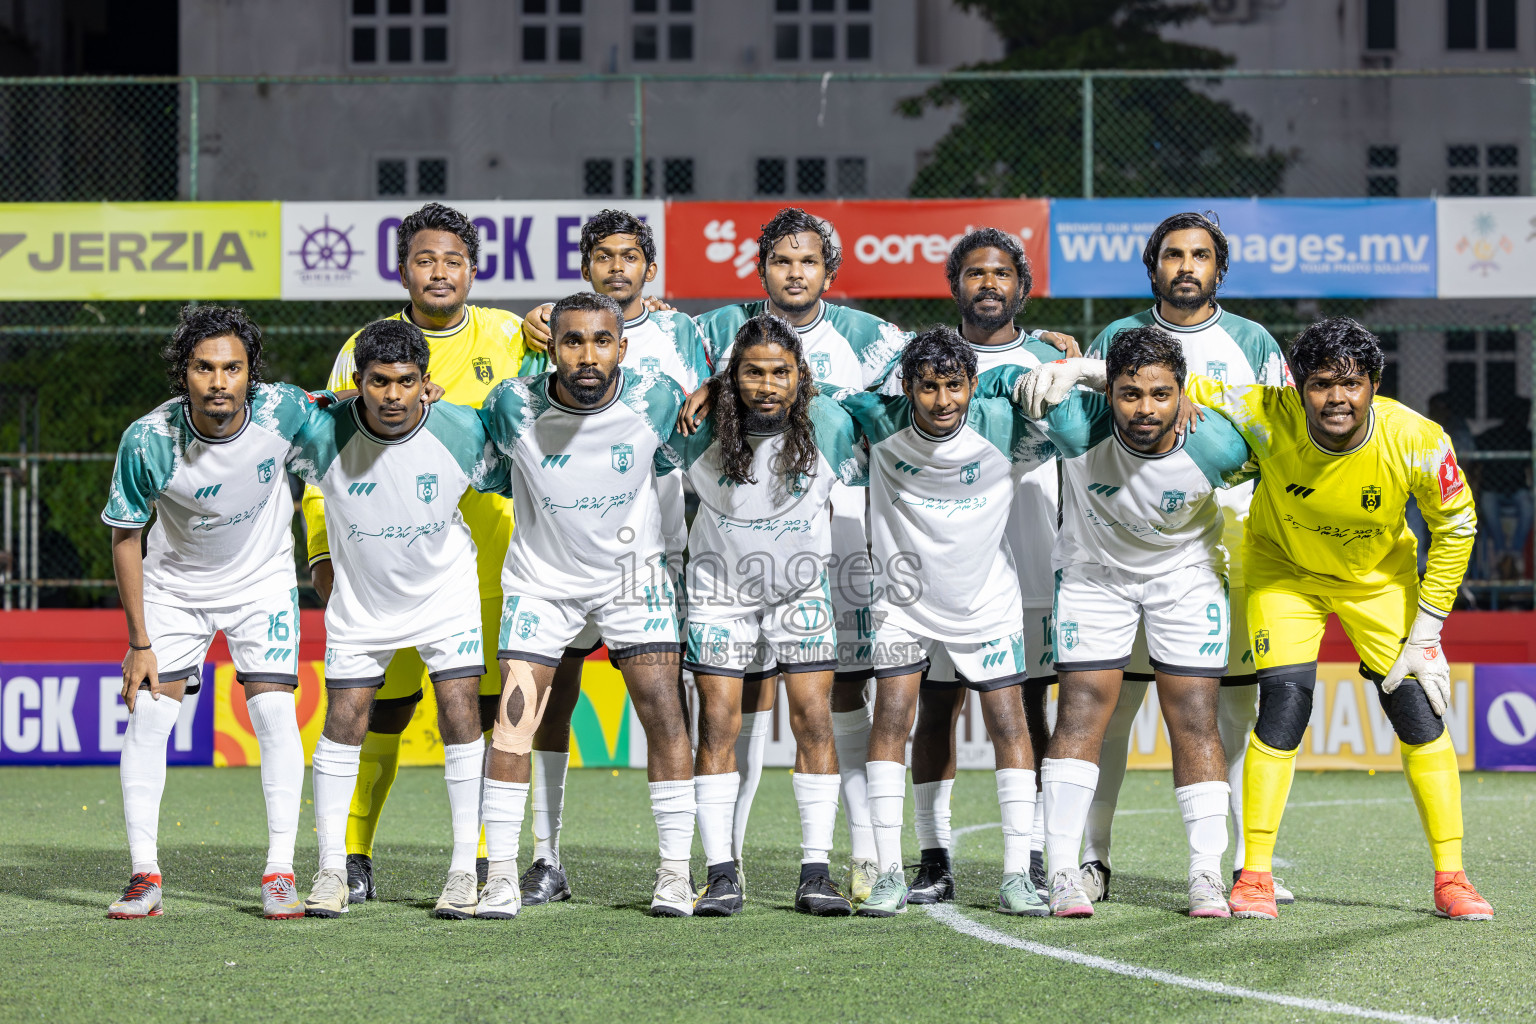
(1185, 613)
(263, 638)
(457, 656)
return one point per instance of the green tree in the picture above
(1152, 136)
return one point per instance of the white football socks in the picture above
(1237, 709)
(1037, 834)
(674, 807)
(1069, 785)
(1016, 801)
(1112, 757)
(887, 791)
(751, 747)
(816, 796)
(549, 769)
(1204, 806)
(143, 776)
(850, 736)
(276, 725)
(716, 800)
(931, 813)
(334, 777)
(463, 764)
(501, 809)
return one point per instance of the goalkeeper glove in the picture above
(1423, 658)
(1049, 384)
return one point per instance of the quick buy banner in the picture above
(1280, 248)
(529, 249)
(73, 713)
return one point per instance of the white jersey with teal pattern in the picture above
(939, 514)
(756, 543)
(1147, 514)
(405, 563)
(583, 484)
(1233, 350)
(224, 529)
(844, 347)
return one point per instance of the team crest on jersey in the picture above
(1261, 642)
(1370, 497)
(970, 472)
(426, 486)
(821, 364)
(527, 625)
(650, 364)
(1172, 501)
(483, 372)
(264, 471)
(1216, 368)
(623, 457)
(1067, 633)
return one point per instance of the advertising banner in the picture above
(529, 249)
(1348, 729)
(73, 713)
(892, 249)
(138, 251)
(1280, 248)
(1487, 247)
(1506, 717)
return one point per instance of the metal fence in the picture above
(73, 374)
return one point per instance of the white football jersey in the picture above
(844, 347)
(583, 484)
(756, 543)
(669, 342)
(223, 532)
(404, 559)
(1233, 350)
(1142, 513)
(939, 514)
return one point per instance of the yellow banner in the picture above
(1348, 729)
(140, 251)
(599, 726)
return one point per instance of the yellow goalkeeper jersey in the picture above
(1339, 516)
(466, 362)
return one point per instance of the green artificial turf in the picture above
(1362, 931)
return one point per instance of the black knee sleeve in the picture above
(1285, 705)
(1408, 710)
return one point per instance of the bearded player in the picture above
(471, 348)
(1187, 259)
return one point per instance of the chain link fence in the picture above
(76, 373)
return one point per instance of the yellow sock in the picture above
(1267, 775)
(376, 771)
(480, 850)
(1435, 780)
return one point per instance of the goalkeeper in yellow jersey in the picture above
(1327, 534)
(472, 348)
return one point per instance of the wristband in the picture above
(135, 647)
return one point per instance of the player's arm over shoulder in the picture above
(1266, 415)
(1219, 451)
(1078, 423)
(837, 438)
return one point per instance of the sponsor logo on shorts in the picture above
(1212, 649)
(527, 625)
(426, 486)
(264, 470)
(469, 647)
(651, 625)
(482, 367)
(970, 472)
(1370, 497)
(1261, 642)
(623, 457)
(1172, 501)
(1067, 633)
(278, 654)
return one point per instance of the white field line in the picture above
(950, 917)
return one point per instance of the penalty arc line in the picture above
(952, 918)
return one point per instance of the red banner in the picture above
(892, 249)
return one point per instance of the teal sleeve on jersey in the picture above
(460, 430)
(1219, 450)
(681, 451)
(146, 458)
(533, 363)
(283, 409)
(877, 416)
(1259, 347)
(321, 440)
(838, 441)
(1079, 423)
(511, 407)
(689, 342)
(657, 399)
(999, 381)
(1043, 350)
(876, 343)
(1100, 347)
(718, 328)
(1009, 431)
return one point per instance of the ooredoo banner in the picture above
(892, 249)
(1280, 248)
(529, 249)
